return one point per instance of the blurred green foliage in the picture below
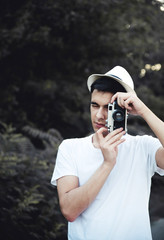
(29, 206)
(49, 48)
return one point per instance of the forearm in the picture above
(74, 199)
(74, 202)
(154, 123)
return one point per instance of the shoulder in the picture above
(143, 141)
(140, 138)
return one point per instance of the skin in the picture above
(74, 199)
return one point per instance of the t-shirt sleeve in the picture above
(153, 145)
(65, 162)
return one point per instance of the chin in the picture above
(95, 129)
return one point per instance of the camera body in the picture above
(117, 117)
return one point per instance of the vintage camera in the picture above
(117, 117)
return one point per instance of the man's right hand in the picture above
(108, 144)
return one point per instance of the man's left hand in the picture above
(131, 102)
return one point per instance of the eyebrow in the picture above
(94, 103)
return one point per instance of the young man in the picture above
(104, 180)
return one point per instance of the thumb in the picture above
(102, 132)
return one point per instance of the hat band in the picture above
(115, 76)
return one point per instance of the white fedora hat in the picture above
(119, 74)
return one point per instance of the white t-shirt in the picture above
(120, 210)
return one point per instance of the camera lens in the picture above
(118, 116)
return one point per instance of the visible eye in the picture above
(94, 105)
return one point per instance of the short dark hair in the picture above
(106, 84)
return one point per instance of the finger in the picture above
(129, 104)
(119, 101)
(114, 97)
(116, 138)
(121, 97)
(118, 142)
(122, 103)
(113, 133)
(101, 132)
(125, 101)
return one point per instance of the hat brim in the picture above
(94, 77)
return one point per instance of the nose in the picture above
(100, 113)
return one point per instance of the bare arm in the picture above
(74, 199)
(157, 127)
(135, 106)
